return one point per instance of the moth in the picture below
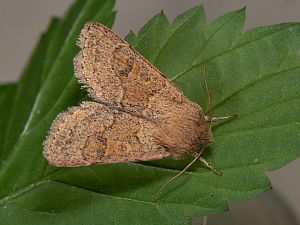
(137, 114)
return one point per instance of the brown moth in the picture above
(137, 113)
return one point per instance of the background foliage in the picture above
(254, 74)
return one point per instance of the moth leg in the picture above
(213, 118)
(198, 155)
(208, 165)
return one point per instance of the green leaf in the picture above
(30, 80)
(47, 87)
(253, 74)
(7, 92)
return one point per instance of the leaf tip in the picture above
(242, 10)
(199, 8)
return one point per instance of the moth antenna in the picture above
(210, 118)
(198, 156)
(181, 172)
(208, 95)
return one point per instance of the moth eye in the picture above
(122, 62)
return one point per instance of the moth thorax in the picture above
(184, 131)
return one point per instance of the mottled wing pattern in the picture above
(137, 115)
(93, 133)
(116, 74)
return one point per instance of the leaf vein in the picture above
(229, 51)
(262, 79)
(172, 35)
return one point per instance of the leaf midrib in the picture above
(36, 102)
(36, 184)
(54, 65)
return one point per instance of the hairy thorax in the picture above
(182, 128)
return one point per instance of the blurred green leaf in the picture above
(7, 93)
(253, 74)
